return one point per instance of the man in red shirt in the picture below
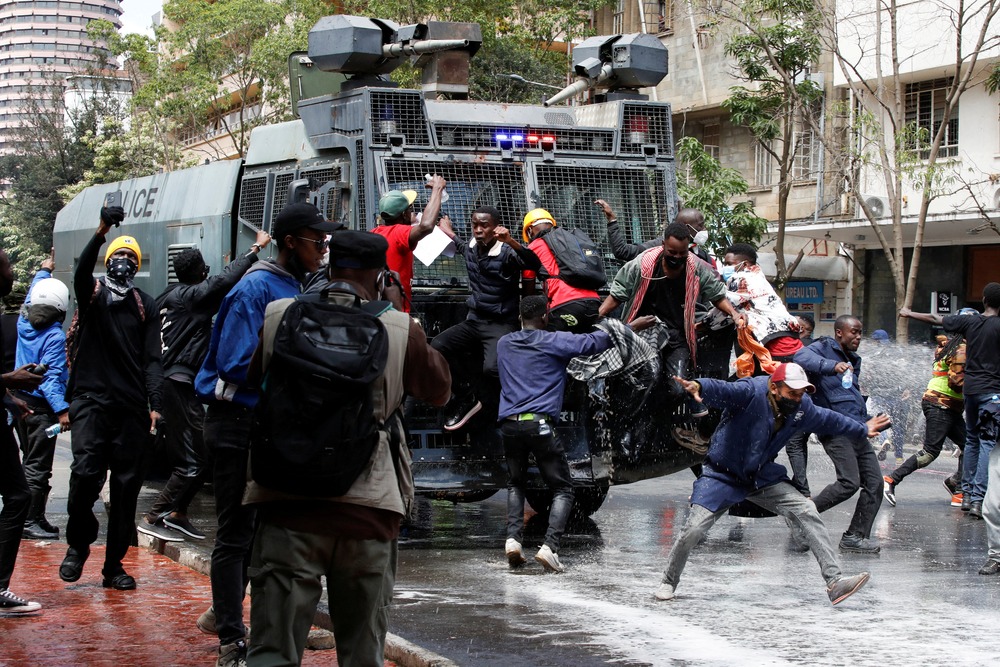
(571, 308)
(403, 229)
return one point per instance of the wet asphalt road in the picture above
(745, 598)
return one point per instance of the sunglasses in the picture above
(321, 244)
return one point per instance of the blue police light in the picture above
(502, 137)
(517, 137)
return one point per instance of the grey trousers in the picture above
(286, 568)
(991, 506)
(780, 498)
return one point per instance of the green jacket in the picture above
(629, 279)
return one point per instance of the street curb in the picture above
(397, 649)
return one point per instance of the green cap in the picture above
(395, 202)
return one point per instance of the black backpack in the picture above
(314, 428)
(578, 258)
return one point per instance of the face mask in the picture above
(674, 262)
(727, 272)
(701, 238)
(787, 406)
(121, 269)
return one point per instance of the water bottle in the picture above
(53, 430)
(847, 381)
(444, 193)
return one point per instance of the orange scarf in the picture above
(744, 365)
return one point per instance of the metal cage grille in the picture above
(646, 124)
(281, 182)
(332, 205)
(398, 112)
(364, 223)
(456, 135)
(638, 197)
(470, 185)
(253, 193)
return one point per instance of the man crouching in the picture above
(761, 415)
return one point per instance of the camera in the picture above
(113, 199)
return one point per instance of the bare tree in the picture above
(869, 54)
(773, 46)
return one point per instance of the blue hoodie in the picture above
(44, 346)
(223, 375)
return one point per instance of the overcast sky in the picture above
(138, 15)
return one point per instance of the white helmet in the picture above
(50, 292)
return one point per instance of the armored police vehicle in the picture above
(368, 136)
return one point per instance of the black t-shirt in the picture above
(665, 299)
(982, 345)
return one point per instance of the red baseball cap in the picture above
(793, 376)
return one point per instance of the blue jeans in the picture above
(980, 439)
(521, 438)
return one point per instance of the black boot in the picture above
(35, 525)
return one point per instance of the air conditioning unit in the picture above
(879, 207)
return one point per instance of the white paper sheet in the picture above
(434, 245)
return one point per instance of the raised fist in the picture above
(112, 217)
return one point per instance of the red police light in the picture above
(532, 138)
(549, 139)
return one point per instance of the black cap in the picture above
(351, 249)
(297, 216)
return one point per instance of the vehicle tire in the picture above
(539, 499)
(587, 499)
(465, 496)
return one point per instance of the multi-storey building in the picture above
(845, 268)
(41, 38)
(698, 83)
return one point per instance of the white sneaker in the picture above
(665, 592)
(515, 557)
(549, 559)
(12, 604)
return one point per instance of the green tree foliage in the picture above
(775, 43)
(121, 153)
(711, 188)
(518, 38)
(49, 154)
(215, 68)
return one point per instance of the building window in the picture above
(659, 17)
(925, 104)
(618, 18)
(763, 166)
(710, 139)
(805, 156)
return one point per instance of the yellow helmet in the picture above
(534, 216)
